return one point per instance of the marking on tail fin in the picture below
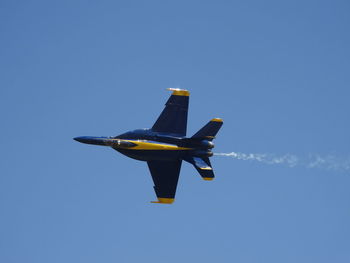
(205, 168)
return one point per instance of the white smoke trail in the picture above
(329, 162)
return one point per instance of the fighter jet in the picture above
(165, 146)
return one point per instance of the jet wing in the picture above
(165, 175)
(173, 118)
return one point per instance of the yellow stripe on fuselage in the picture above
(147, 145)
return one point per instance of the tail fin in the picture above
(209, 131)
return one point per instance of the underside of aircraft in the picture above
(165, 146)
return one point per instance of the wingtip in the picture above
(179, 92)
(217, 120)
(208, 178)
(164, 201)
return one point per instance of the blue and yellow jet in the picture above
(165, 146)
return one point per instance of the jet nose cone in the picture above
(80, 139)
(92, 140)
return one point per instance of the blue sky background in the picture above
(277, 72)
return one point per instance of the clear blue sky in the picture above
(277, 72)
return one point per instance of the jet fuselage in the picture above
(164, 146)
(147, 145)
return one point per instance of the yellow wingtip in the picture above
(208, 178)
(217, 120)
(179, 92)
(164, 201)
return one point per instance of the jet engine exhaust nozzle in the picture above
(207, 144)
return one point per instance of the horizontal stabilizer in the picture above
(210, 130)
(203, 166)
